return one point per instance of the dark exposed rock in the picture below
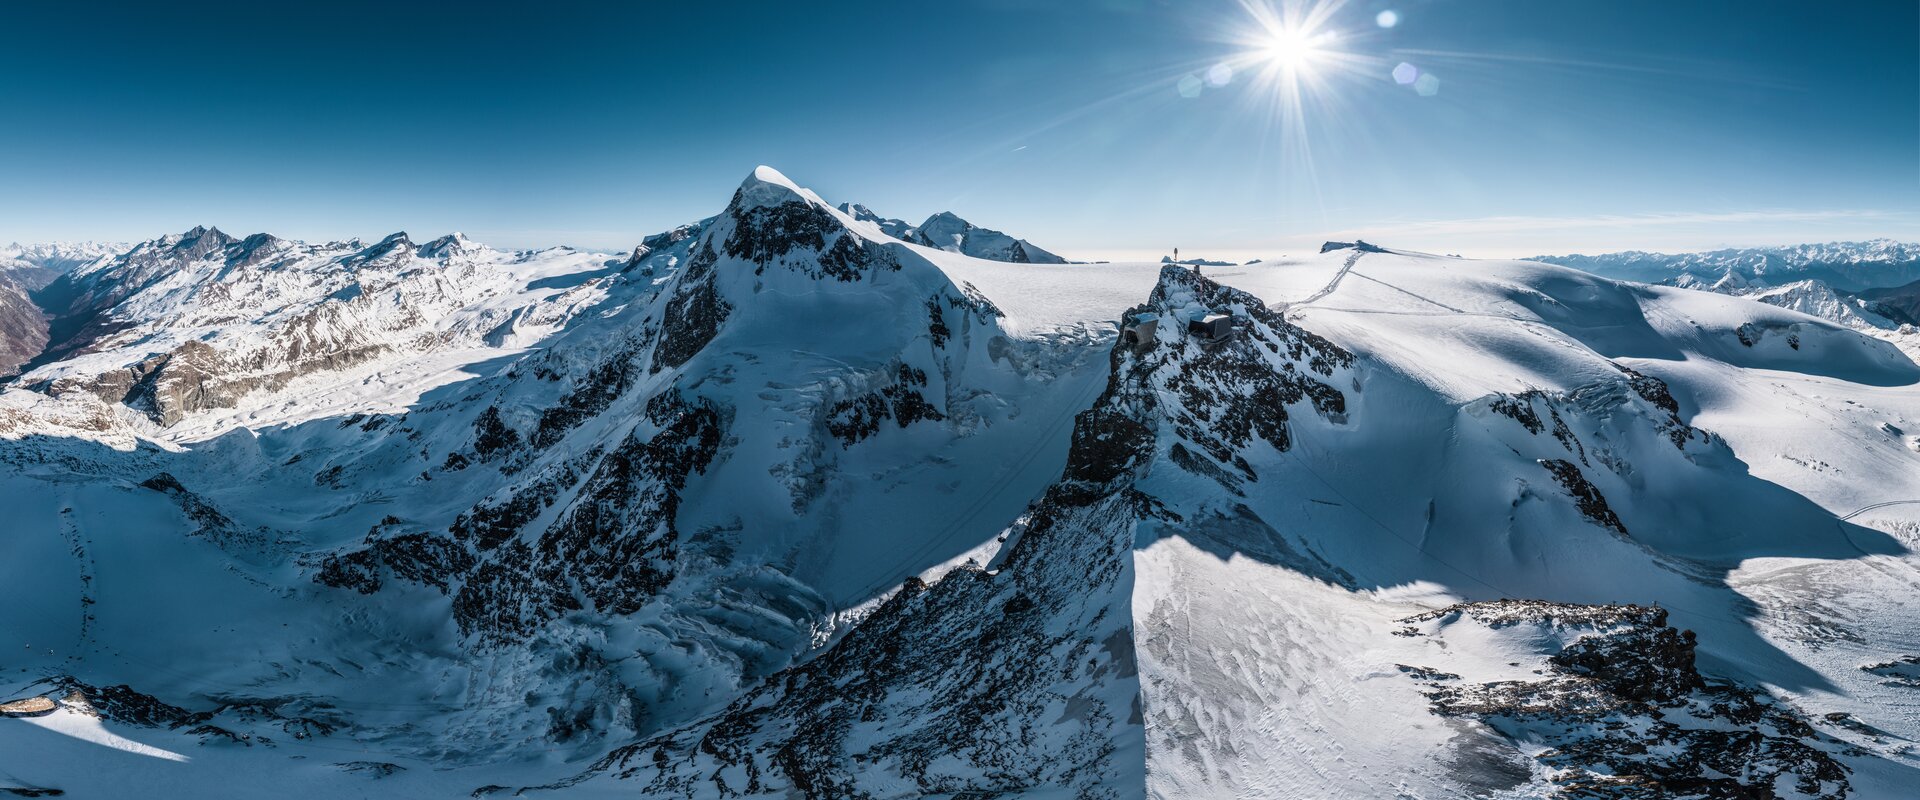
(899, 400)
(1586, 496)
(1230, 394)
(125, 705)
(233, 720)
(422, 558)
(1106, 445)
(1625, 714)
(594, 393)
(1655, 391)
(1521, 408)
(1426, 673)
(23, 326)
(491, 437)
(195, 376)
(488, 524)
(951, 686)
(377, 769)
(208, 521)
(853, 420)
(767, 232)
(764, 234)
(1185, 459)
(509, 594)
(694, 312)
(1661, 671)
(1507, 613)
(976, 302)
(614, 545)
(1902, 671)
(937, 323)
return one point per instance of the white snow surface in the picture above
(1258, 678)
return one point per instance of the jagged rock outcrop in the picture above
(1623, 713)
(1019, 679)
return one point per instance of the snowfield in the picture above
(783, 505)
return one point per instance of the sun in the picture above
(1295, 48)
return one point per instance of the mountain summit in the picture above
(783, 505)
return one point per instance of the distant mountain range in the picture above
(62, 299)
(1847, 266)
(781, 504)
(947, 231)
(1872, 286)
(25, 268)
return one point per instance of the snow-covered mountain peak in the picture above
(455, 242)
(786, 505)
(948, 231)
(766, 186)
(896, 228)
(202, 239)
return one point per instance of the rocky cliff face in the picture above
(23, 327)
(24, 270)
(1019, 675)
(588, 454)
(1621, 710)
(779, 506)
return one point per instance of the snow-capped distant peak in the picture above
(56, 256)
(948, 231)
(455, 242)
(896, 228)
(1848, 266)
(766, 187)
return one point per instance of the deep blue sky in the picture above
(1557, 126)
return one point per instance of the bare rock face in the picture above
(1623, 712)
(23, 327)
(1021, 679)
(694, 312)
(900, 401)
(231, 720)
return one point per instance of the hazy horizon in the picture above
(1101, 130)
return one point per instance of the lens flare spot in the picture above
(1405, 74)
(1189, 85)
(1220, 75)
(1427, 85)
(1387, 19)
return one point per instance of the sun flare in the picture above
(1295, 48)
